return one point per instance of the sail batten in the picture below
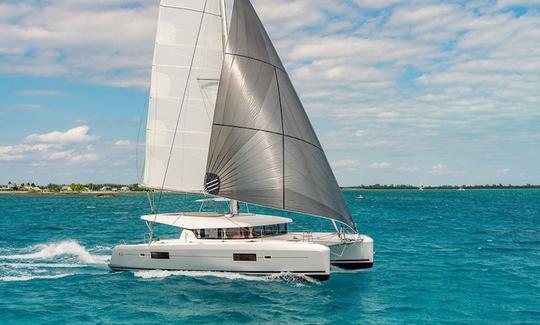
(263, 149)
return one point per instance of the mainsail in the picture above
(188, 57)
(263, 149)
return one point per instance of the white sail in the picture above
(188, 57)
(263, 148)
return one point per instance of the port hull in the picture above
(247, 257)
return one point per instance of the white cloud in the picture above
(122, 143)
(87, 157)
(380, 165)
(53, 146)
(367, 50)
(345, 165)
(75, 135)
(439, 169)
(105, 42)
(422, 13)
(418, 76)
(388, 115)
(511, 3)
(409, 169)
(59, 155)
(19, 152)
(375, 4)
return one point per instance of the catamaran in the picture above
(225, 121)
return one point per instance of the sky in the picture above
(399, 92)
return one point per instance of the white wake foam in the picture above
(285, 276)
(43, 265)
(160, 274)
(50, 261)
(33, 277)
(63, 248)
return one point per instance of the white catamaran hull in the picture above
(347, 251)
(248, 257)
(353, 255)
(305, 253)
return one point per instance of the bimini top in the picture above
(214, 220)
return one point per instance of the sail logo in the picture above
(212, 184)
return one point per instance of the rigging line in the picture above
(137, 147)
(181, 108)
(267, 131)
(255, 59)
(206, 99)
(189, 9)
(205, 102)
(145, 108)
(282, 135)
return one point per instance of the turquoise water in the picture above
(441, 257)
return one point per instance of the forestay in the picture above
(263, 149)
(188, 46)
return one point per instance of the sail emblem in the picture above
(212, 184)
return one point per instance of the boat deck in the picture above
(325, 238)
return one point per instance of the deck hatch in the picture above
(245, 257)
(160, 255)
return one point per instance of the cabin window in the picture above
(160, 255)
(241, 233)
(214, 233)
(258, 232)
(208, 233)
(234, 233)
(201, 233)
(245, 257)
(271, 230)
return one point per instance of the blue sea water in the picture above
(441, 257)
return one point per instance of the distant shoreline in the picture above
(346, 189)
(68, 193)
(443, 187)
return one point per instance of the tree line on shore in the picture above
(91, 187)
(73, 187)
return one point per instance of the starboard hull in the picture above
(353, 255)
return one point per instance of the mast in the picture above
(233, 204)
(224, 29)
